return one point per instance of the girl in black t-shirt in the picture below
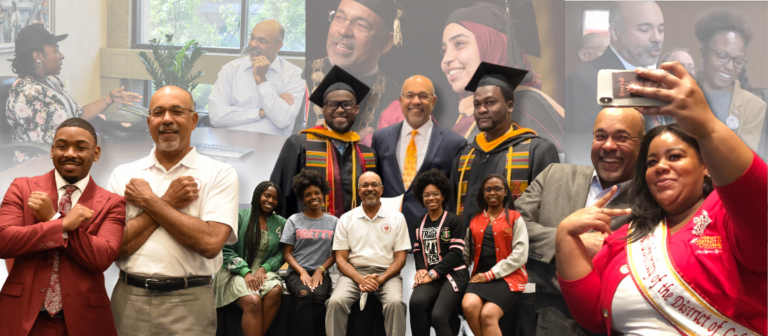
(441, 274)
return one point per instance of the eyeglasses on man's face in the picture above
(262, 41)
(176, 112)
(334, 104)
(374, 185)
(422, 96)
(359, 26)
(602, 137)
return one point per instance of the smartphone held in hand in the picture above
(613, 89)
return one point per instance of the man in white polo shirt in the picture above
(181, 210)
(371, 245)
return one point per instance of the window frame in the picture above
(592, 8)
(244, 33)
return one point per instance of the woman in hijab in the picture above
(481, 33)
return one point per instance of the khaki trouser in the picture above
(188, 312)
(347, 293)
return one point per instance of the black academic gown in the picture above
(293, 158)
(391, 93)
(541, 153)
(533, 110)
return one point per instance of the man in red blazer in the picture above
(63, 232)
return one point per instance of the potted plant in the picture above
(169, 66)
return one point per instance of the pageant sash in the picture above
(661, 285)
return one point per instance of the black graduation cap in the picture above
(390, 13)
(520, 23)
(489, 74)
(338, 79)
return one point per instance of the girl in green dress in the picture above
(249, 274)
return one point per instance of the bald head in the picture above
(637, 31)
(370, 189)
(617, 134)
(417, 100)
(266, 39)
(592, 46)
(183, 96)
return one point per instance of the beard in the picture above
(71, 179)
(342, 61)
(168, 145)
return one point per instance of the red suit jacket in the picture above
(86, 254)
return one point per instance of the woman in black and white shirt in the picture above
(441, 275)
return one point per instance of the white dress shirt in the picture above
(597, 192)
(421, 140)
(372, 242)
(236, 99)
(161, 255)
(627, 65)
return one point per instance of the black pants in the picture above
(435, 301)
(310, 308)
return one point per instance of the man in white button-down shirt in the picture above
(259, 93)
(182, 209)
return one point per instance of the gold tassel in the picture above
(398, 37)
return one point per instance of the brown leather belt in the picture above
(165, 284)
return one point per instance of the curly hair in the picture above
(306, 179)
(435, 177)
(253, 232)
(646, 212)
(720, 20)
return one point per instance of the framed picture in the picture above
(17, 14)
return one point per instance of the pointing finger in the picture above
(606, 198)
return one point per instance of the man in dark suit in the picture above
(562, 189)
(637, 34)
(415, 145)
(63, 231)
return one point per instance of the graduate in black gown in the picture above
(360, 32)
(502, 147)
(331, 149)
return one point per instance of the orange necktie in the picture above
(409, 168)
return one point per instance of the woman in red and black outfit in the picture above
(441, 275)
(693, 259)
(497, 242)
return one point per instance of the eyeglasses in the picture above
(359, 26)
(334, 104)
(176, 112)
(497, 190)
(724, 57)
(435, 194)
(411, 96)
(601, 137)
(374, 185)
(262, 41)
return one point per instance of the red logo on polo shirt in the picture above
(199, 184)
(386, 228)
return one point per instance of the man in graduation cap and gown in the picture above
(331, 148)
(361, 31)
(502, 147)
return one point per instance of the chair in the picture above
(7, 146)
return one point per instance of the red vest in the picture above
(502, 238)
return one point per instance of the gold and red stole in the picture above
(321, 156)
(658, 281)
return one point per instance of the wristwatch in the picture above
(432, 275)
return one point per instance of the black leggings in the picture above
(310, 308)
(438, 294)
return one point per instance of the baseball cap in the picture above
(35, 35)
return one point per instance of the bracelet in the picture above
(105, 101)
(322, 269)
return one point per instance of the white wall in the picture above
(85, 22)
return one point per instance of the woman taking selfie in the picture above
(249, 274)
(441, 275)
(308, 242)
(497, 242)
(693, 259)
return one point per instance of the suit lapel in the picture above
(392, 144)
(581, 185)
(432, 147)
(47, 184)
(609, 60)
